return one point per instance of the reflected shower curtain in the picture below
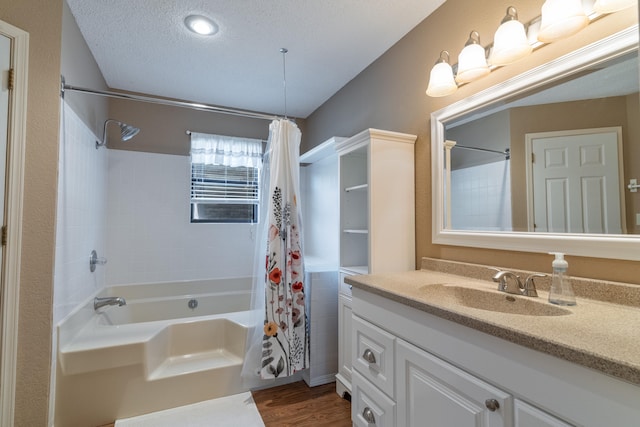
(279, 345)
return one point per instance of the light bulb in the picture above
(560, 19)
(510, 42)
(201, 25)
(472, 61)
(441, 82)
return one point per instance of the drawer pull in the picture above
(369, 356)
(368, 416)
(492, 404)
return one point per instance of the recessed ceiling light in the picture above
(201, 25)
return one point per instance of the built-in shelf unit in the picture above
(377, 223)
(377, 219)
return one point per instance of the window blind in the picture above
(224, 184)
(225, 174)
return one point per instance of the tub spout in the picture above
(101, 302)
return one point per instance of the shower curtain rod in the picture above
(189, 132)
(170, 102)
(505, 153)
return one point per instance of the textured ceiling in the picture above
(143, 46)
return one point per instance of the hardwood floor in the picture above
(299, 405)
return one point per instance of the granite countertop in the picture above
(598, 334)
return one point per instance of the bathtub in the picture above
(172, 344)
(176, 300)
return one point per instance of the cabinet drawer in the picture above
(369, 406)
(345, 288)
(529, 416)
(373, 354)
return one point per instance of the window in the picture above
(225, 178)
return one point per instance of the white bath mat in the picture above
(235, 410)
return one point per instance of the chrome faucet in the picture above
(101, 302)
(510, 283)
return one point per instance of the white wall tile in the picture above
(81, 216)
(481, 197)
(150, 237)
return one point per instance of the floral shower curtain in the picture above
(282, 343)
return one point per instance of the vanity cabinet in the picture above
(377, 218)
(419, 369)
(428, 390)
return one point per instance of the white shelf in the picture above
(356, 231)
(357, 187)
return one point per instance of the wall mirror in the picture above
(545, 161)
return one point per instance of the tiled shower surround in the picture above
(81, 214)
(149, 234)
(133, 209)
(481, 197)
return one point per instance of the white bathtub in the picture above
(153, 353)
(176, 300)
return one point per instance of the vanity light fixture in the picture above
(441, 81)
(560, 19)
(610, 6)
(513, 40)
(472, 61)
(510, 42)
(201, 25)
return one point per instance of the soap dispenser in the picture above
(561, 292)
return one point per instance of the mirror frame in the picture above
(621, 246)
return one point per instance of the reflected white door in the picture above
(574, 181)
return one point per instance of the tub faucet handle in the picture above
(94, 260)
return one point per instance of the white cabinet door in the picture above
(344, 341)
(434, 393)
(530, 416)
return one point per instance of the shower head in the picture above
(126, 132)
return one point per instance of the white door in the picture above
(14, 53)
(574, 181)
(5, 66)
(434, 393)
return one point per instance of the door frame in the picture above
(10, 285)
(529, 137)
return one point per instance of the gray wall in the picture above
(491, 132)
(79, 68)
